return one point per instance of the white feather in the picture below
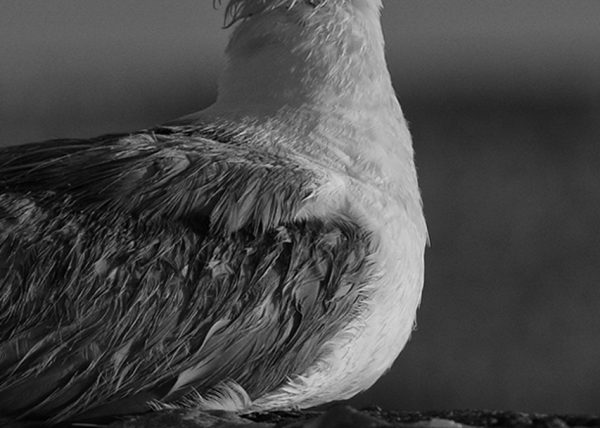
(313, 83)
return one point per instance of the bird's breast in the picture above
(361, 352)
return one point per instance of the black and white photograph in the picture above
(299, 213)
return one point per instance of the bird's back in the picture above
(163, 267)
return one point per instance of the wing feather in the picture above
(152, 266)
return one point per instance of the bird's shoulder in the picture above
(167, 172)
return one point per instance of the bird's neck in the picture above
(330, 92)
(273, 64)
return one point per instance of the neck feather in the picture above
(294, 58)
(319, 82)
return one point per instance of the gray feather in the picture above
(147, 266)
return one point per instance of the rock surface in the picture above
(346, 417)
(338, 416)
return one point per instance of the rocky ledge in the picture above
(341, 416)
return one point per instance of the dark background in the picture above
(504, 101)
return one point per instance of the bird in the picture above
(264, 253)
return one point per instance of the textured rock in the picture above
(343, 416)
(338, 416)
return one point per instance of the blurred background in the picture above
(503, 98)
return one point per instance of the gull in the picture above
(265, 253)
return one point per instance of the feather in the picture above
(102, 257)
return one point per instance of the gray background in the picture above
(504, 101)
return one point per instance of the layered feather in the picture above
(153, 267)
